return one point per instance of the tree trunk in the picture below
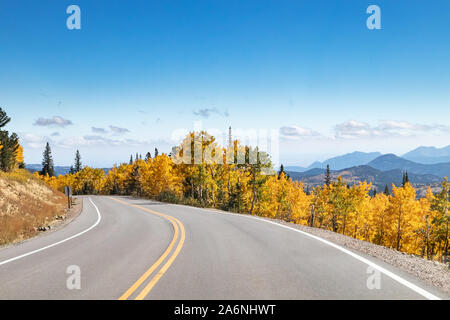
(446, 241)
(398, 228)
(345, 220)
(254, 198)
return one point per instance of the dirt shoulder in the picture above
(68, 216)
(60, 221)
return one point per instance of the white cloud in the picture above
(296, 132)
(33, 141)
(387, 128)
(98, 130)
(55, 121)
(118, 130)
(206, 112)
(96, 140)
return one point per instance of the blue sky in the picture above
(139, 70)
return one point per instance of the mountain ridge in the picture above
(428, 155)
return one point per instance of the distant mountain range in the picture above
(391, 162)
(421, 155)
(347, 160)
(429, 155)
(381, 170)
(58, 169)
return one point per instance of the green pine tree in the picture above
(328, 176)
(405, 179)
(9, 144)
(77, 166)
(386, 190)
(281, 171)
(4, 119)
(47, 162)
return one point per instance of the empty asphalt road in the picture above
(124, 248)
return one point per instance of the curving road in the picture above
(139, 249)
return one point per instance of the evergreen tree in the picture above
(156, 152)
(281, 171)
(386, 190)
(148, 156)
(374, 191)
(9, 145)
(137, 157)
(328, 176)
(47, 162)
(405, 178)
(134, 186)
(78, 166)
(131, 159)
(4, 119)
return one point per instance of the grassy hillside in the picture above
(26, 203)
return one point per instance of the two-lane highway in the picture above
(139, 249)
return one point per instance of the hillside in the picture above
(348, 160)
(26, 203)
(379, 179)
(392, 162)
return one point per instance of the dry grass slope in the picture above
(26, 203)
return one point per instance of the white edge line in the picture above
(99, 217)
(388, 273)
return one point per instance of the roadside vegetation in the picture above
(225, 178)
(26, 203)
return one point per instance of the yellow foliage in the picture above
(19, 155)
(200, 173)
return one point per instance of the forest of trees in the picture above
(11, 152)
(241, 179)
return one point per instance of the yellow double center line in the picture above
(178, 229)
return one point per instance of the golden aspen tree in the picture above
(426, 231)
(441, 204)
(300, 203)
(340, 199)
(405, 210)
(19, 156)
(380, 220)
(359, 206)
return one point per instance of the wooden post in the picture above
(68, 192)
